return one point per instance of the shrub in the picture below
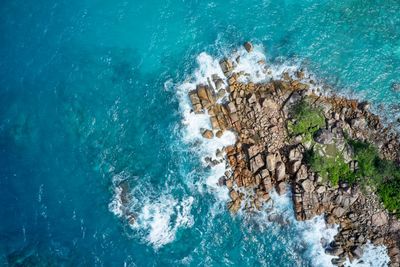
(384, 174)
(307, 119)
(332, 168)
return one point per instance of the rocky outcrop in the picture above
(265, 157)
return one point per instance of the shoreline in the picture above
(266, 156)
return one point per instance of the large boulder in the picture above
(281, 188)
(302, 173)
(226, 66)
(324, 136)
(357, 252)
(271, 162)
(280, 171)
(270, 104)
(256, 163)
(253, 151)
(379, 219)
(295, 154)
(294, 166)
(207, 134)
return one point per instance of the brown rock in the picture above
(229, 183)
(219, 133)
(338, 211)
(248, 46)
(308, 186)
(256, 163)
(379, 219)
(267, 184)
(253, 150)
(280, 171)
(207, 134)
(271, 162)
(233, 194)
(294, 166)
(231, 107)
(234, 206)
(281, 188)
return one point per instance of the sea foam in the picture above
(315, 233)
(157, 217)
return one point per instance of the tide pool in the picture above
(90, 96)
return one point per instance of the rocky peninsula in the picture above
(335, 156)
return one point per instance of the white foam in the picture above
(116, 206)
(207, 66)
(157, 217)
(372, 256)
(315, 233)
(160, 219)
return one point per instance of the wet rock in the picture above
(334, 251)
(226, 66)
(248, 46)
(233, 194)
(234, 206)
(364, 106)
(207, 134)
(219, 133)
(229, 183)
(281, 188)
(357, 252)
(267, 182)
(204, 93)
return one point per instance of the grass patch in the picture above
(332, 168)
(307, 120)
(384, 175)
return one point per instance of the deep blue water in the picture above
(83, 100)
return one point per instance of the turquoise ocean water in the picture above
(88, 97)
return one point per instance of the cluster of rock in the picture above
(265, 157)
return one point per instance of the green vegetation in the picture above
(307, 120)
(328, 161)
(333, 168)
(384, 175)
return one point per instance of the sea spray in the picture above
(254, 69)
(155, 218)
